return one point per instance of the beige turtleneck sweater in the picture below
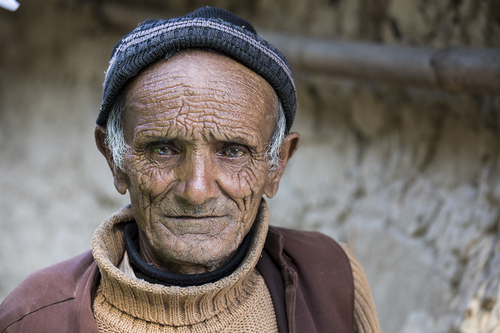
(240, 302)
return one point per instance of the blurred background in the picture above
(408, 176)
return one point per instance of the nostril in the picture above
(197, 190)
(196, 178)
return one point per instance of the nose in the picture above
(196, 179)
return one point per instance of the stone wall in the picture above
(409, 178)
(411, 181)
(55, 186)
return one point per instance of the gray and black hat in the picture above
(206, 27)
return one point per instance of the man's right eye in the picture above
(163, 149)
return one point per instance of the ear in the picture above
(120, 178)
(287, 149)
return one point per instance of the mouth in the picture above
(194, 217)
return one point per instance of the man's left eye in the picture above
(233, 152)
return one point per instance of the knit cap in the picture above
(206, 27)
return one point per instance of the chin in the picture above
(208, 253)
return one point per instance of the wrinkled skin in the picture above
(198, 125)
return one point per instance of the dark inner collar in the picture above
(151, 274)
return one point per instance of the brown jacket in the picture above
(308, 275)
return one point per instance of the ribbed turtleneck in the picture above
(239, 302)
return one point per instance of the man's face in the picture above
(198, 125)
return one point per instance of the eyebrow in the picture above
(151, 135)
(237, 140)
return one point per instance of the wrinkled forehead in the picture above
(200, 85)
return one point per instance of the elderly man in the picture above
(195, 124)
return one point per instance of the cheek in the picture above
(247, 183)
(148, 181)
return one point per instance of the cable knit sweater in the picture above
(240, 302)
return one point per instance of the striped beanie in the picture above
(206, 27)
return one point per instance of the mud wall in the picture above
(409, 178)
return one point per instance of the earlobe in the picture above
(271, 188)
(287, 150)
(120, 178)
(120, 182)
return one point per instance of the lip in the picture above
(193, 217)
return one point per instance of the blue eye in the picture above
(163, 151)
(233, 152)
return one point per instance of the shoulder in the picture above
(316, 252)
(43, 289)
(322, 275)
(311, 251)
(305, 237)
(308, 243)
